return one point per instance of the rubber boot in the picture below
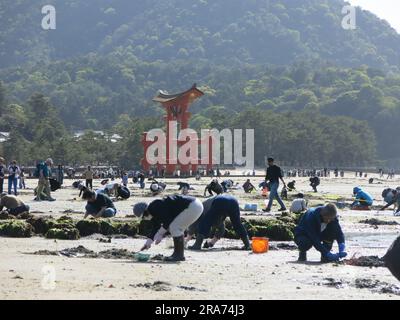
(211, 243)
(302, 256)
(246, 243)
(198, 243)
(177, 255)
(324, 259)
(207, 245)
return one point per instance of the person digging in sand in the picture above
(213, 186)
(314, 183)
(218, 226)
(363, 199)
(319, 228)
(184, 187)
(291, 185)
(393, 198)
(98, 205)
(157, 187)
(173, 214)
(299, 205)
(248, 187)
(221, 207)
(226, 185)
(14, 206)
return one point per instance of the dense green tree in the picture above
(2, 98)
(284, 68)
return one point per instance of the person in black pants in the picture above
(89, 178)
(184, 187)
(222, 206)
(291, 185)
(217, 229)
(315, 181)
(213, 186)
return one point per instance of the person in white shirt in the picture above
(299, 204)
(109, 189)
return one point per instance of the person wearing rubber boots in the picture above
(222, 206)
(319, 227)
(172, 213)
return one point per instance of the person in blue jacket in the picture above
(319, 228)
(363, 199)
(221, 207)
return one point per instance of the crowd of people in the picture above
(186, 217)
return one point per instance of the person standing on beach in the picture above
(22, 179)
(125, 179)
(60, 174)
(2, 173)
(274, 174)
(13, 173)
(141, 178)
(88, 175)
(44, 173)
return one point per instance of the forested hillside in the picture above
(285, 68)
(238, 31)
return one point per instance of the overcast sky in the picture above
(385, 9)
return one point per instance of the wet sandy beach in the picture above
(219, 273)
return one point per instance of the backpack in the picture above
(36, 173)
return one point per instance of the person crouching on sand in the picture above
(299, 205)
(13, 204)
(319, 228)
(98, 205)
(248, 187)
(363, 199)
(393, 198)
(172, 213)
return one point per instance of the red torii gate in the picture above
(176, 107)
